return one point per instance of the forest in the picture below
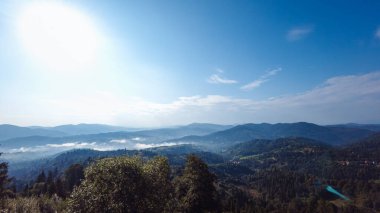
(283, 175)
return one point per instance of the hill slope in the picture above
(246, 132)
(10, 131)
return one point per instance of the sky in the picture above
(163, 63)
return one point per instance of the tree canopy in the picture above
(4, 181)
(123, 184)
(195, 190)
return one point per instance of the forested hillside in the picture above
(284, 175)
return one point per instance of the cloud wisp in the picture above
(341, 99)
(218, 79)
(298, 33)
(377, 33)
(258, 82)
(112, 145)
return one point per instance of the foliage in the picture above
(73, 176)
(4, 182)
(195, 190)
(123, 184)
(34, 204)
(282, 175)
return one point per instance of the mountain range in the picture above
(333, 135)
(276, 162)
(24, 143)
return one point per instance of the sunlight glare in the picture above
(57, 35)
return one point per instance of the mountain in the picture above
(372, 127)
(205, 128)
(85, 129)
(175, 154)
(198, 129)
(10, 131)
(211, 136)
(122, 137)
(15, 148)
(294, 171)
(247, 132)
(294, 153)
(29, 142)
(290, 144)
(367, 149)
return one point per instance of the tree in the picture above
(41, 178)
(123, 184)
(195, 190)
(50, 186)
(74, 175)
(60, 190)
(4, 181)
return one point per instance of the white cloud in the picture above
(352, 98)
(377, 34)
(216, 79)
(55, 147)
(254, 84)
(138, 139)
(258, 82)
(119, 141)
(126, 141)
(146, 146)
(298, 33)
(72, 145)
(218, 70)
(114, 145)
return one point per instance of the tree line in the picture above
(124, 184)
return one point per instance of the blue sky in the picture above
(161, 63)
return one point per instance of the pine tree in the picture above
(50, 184)
(41, 178)
(4, 182)
(195, 190)
(73, 176)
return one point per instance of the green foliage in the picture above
(195, 190)
(123, 184)
(73, 176)
(4, 181)
(34, 204)
(41, 177)
(283, 175)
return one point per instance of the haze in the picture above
(150, 63)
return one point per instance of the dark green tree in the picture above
(41, 178)
(51, 189)
(4, 182)
(59, 187)
(123, 184)
(73, 176)
(195, 190)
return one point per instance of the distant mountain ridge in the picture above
(118, 139)
(8, 131)
(247, 132)
(295, 153)
(212, 137)
(86, 129)
(260, 146)
(372, 127)
(176, 156)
